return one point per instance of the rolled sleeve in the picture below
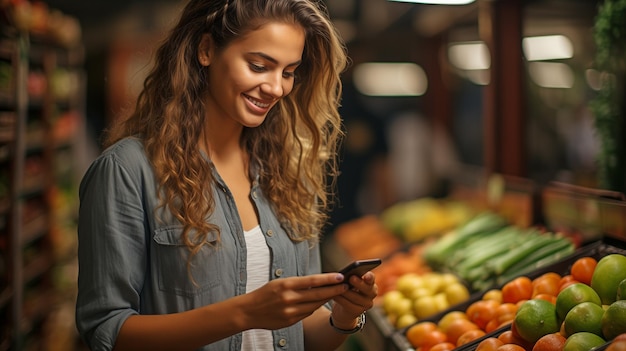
(111, 252)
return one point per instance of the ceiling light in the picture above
(469, 55)
(438, 2)
(548, 47)
(390, 79)
(551, 74)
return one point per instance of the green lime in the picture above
(536, 318)
(572, 296)
(586, 316)
(608, 274)
(583, 341)
(614, 320)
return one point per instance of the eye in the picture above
(257, 68)
(289, 74)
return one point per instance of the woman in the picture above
(199, 223)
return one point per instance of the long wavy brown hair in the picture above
(295, 147)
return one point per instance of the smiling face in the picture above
(250, 75)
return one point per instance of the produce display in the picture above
(418, 296)
(575, 304)
(487, 251)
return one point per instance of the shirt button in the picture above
(282, 342)
(270, 233)
(278, 272)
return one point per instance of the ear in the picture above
(205, 50)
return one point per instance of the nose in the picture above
(273, 85)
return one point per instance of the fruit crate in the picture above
(598, 249)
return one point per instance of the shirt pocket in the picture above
(173, 272)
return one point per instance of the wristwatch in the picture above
(359, 325)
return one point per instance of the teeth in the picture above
(257, 103)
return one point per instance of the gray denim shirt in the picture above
(132, 261)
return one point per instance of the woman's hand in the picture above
(283, 302)
(356, 300)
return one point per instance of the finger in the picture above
(313, 281)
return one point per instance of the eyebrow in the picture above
(273, 60)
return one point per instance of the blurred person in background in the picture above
(199, 223)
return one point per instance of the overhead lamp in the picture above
(551, 74)
(390, 79)
(547, 47)
(438, 2)
(472, 55)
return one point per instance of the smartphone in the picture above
(359, 267)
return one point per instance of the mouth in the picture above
(258, 103)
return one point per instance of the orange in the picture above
(550, 342)
(609, 272)
(619, 345)
(510, 347)
(469, 336)
(583, 341)
(520, 288)
(586, 316)
(566, 281)
(582, 269)
(536, 318)
(448, 318)
(416, 333)
(505, 313)
(546, 284)
(548, 297)
(621, 336)
(614, 320)
(444, 346)
(572, 296)
(457, 328)
(433, 338)
(489, 344)
(510, 337)
(482, 311)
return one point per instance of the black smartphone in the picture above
(359, 267)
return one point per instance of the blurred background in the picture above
(435, 95)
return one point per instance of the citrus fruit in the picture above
(520, 288)
(586, 316)
(550, 342)
(609, 272)
(619, 345)
(582, 269)
(425, 307)
(456, 293)
(405, 320)
(482, 311)
(416, 333)
(443, 346)
(614, 320)
(447, 318)
(582, 341)
(621, 290)
(534, 319)
(458, 327)
(469, 336)
(433, 338)
(510, 347)
(573, 295)
(489, 344)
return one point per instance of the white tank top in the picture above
(258, 268)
